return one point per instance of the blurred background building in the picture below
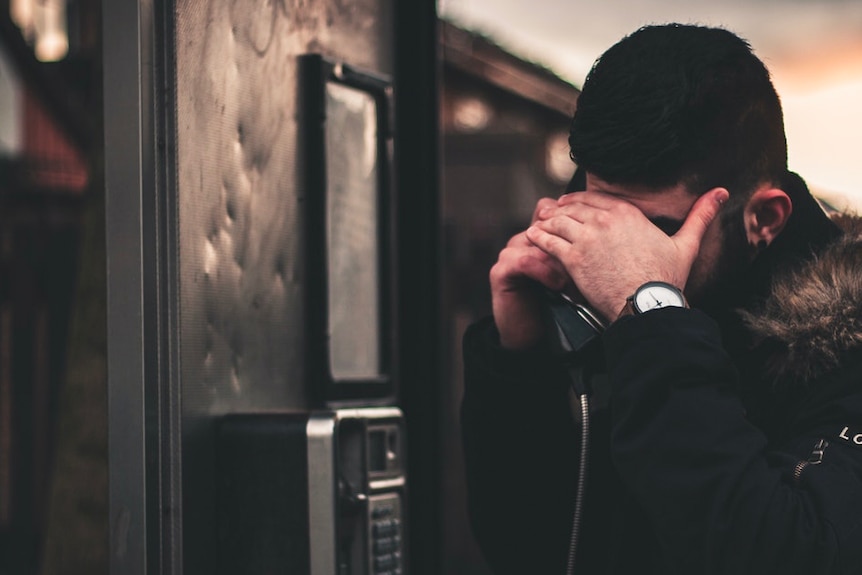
(504, 123)
(53, 442)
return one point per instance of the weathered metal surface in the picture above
(240, 212)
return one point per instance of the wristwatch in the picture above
(653, 295)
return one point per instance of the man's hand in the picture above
(609, 248)
(515, 296)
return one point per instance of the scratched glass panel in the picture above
(352, 222)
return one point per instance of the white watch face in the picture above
(656, 296)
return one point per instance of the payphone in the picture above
(322, 491)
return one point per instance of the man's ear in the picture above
(766, 214)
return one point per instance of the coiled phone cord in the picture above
(575, 336)
(584, 400)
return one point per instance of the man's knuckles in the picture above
(541, 205)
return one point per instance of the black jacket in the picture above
(730, 444)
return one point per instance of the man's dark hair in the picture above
(675, 104)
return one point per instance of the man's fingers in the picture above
(515, 264)
(547, 275)
(564, 226)
(585, 207)
(595, 199)
(699, 218)
(548, 242)
(541, 205)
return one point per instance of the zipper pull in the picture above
(816, 458)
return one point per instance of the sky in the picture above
(813, 49)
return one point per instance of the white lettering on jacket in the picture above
(857, 438)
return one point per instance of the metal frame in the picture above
(322, 478)
(143, 383)
(316, 72)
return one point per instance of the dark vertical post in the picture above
(419, 269)
(145, 522)
(125, 126)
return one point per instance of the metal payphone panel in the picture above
(238, 220)
(320, 493)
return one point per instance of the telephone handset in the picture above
(575, 335)
(575, 331)
(577, 324)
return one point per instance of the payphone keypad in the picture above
(386, 534)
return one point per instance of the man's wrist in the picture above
(628, 309)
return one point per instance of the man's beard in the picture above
(726, 286)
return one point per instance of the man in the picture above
(731, 439)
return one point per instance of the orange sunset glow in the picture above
(813, 49)
(821, 95)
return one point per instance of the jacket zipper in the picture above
(815, 458)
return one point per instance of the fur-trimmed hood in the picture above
(813, 316)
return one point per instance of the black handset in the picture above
(575, 332)
(577, 324)
(575, 335)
